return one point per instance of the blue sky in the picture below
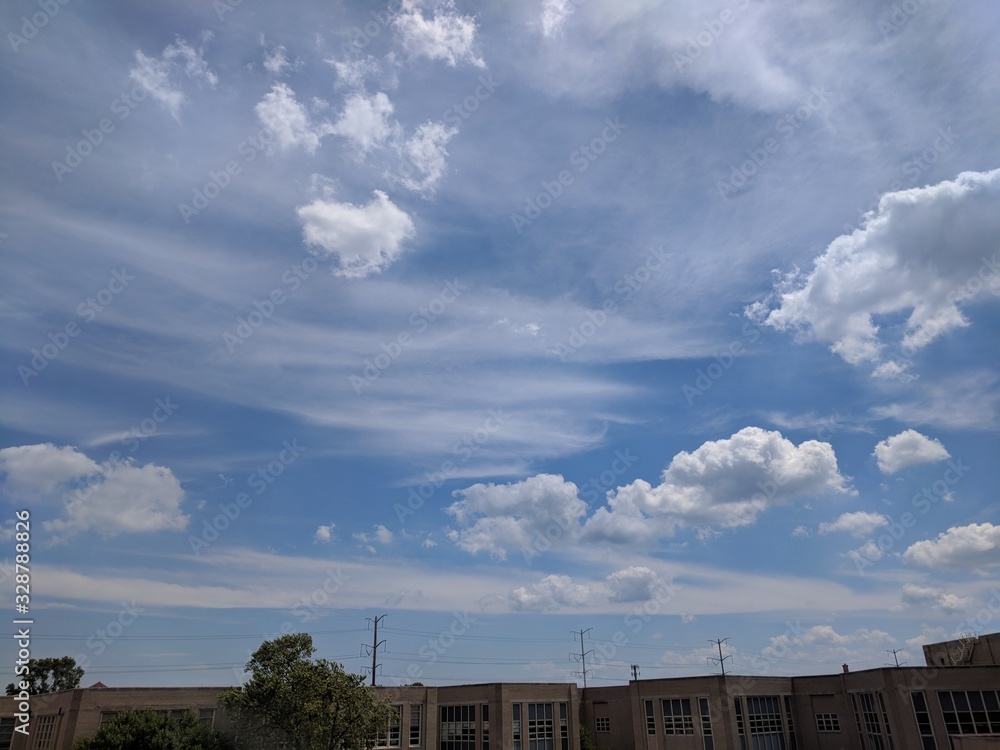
(674, 321)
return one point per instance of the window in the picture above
(869, 708)
(763, 722)
(706, 724)
(970, 711)
(206, 716)
(602, 724)
(107, 716)
(650, 718)
(516, 725)
(6, 733)
(458, 728)
(564, 726)
(415, 709)
(486, 726)
(390, 737)
(791, 724)
(44, 731)
(827, 723)
(677, 717)
(923, 717)
(540, 726)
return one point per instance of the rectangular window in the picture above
(790, 722)
(763, 722)
(677, 717)
(923, 717)
(390, 737)
(970, 711)
(706, 724)
(516, 725)
(602, 724)
(415, 716)
(107, 716)
(827, 723)
(207, 716)
(564, 726)
(866, 713)
(458, 728)
(540, 726)
(486, 725)
(44, 730)
(650, 718)
(6, 733)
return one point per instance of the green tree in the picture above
(586, 742)
(48, 675)
(148, 730)
(295, 702)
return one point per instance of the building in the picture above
(940, 706)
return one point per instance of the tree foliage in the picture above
(149, 730)
(586, 741)
(48, 675)
(295, 702)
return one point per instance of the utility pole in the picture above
(635, 671)
(895, 652)
(582, 658)
(721, 661)
(375, 644)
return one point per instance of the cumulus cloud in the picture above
(908, 448)
(112, 497)
(800, 532)
(724, 482)
(365, 120)
(633, 584)
(858, 524)
(446, 36)
(155, 73)
(925, 253)
(552, 592)
(354, 72)
(325, 533)
(276, 61)
(366, 239)
(288, 120)
(960, 547)
(798, 642)
(381, 534)
(949, 604)
(537, 512)
(425, 153)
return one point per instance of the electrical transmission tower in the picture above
(373, 649)
(635, 671)
(582, 656)
(721, 661)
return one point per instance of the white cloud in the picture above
(366, 239)
(365, 120)
(725, 482)
(35, 471)
(382, 535)
(276, 61)
(908, 448)
(924, 252)
(552, 592)
(927, 635)
(554, 14)
(960, 547)
(154, 73)
(447, 36)
(800, 532)
(425, 151)
(528, 515)
(949, 604)
(858, 524)
(633, 584)
(288, 120)
(113, 497)
(353, 73)
(325, 533)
